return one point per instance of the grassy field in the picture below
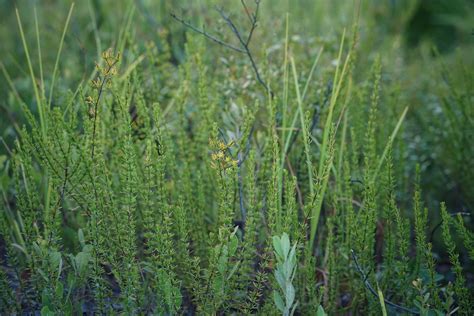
(272, 157)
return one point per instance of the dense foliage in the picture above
(315, 162)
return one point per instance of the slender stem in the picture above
(40, 58)
(33, 77)
(247, 11)
(105, 79)
(204, 33)
(372, 290)
(254, 20)
(303, 127)
(244, 43)
(96, 108)
(58, 56)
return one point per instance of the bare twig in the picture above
(205, 34)
(254, 19)
(372, 290)
(247, 11)
(244, 43)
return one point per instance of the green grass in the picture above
(162, 176)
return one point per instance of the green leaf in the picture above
(45, 298)
(68, 308)
(417, 304)
(382, 301)
(55, 258)
(320, 311)
(43, 274)
(45, 311)
(222, 263)
(280, 279)
(59, 290)
(3, 158)
(80, 236)
(82, 260)
(233, 245)
(278, 301)
(218, 285)
(285, 244)
(234, 269)
(87, 248)
(289, 294)
(278, 249)
(292, 255)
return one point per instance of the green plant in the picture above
(285, 271)
(171, 177)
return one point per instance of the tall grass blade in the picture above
(58, 55)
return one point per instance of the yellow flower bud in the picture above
(89, 100)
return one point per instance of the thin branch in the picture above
(374, 293)
(243, 42)
(247, 11)
(257, 74)
(207, 35)
(245, 45)
(254, 20)
(232, 26)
